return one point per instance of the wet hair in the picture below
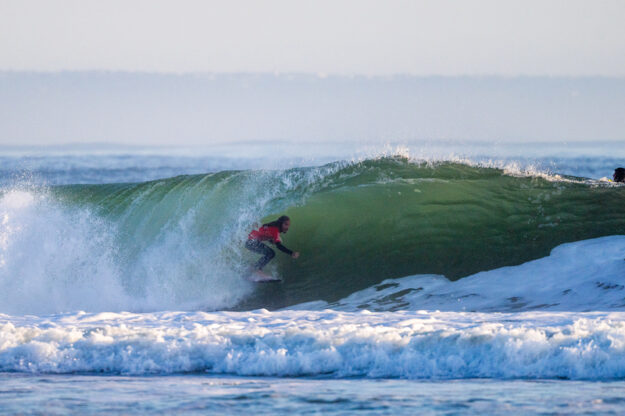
(278, 223)
(619, 175)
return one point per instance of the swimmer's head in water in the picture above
(619, 175)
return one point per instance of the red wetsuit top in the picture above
(265, 234)
(269, 234)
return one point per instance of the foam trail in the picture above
(327, 343)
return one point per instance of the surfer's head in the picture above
(619, 175)
(283, 223)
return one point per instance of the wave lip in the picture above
(412, 345)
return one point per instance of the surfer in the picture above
(619, 175)
(269, 232)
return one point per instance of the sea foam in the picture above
(412, 345)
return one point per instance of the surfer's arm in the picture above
(283, 249)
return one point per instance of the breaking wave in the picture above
(177, 243)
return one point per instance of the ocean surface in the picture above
(433, 279)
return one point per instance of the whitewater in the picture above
(484, 272)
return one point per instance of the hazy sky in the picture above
(350, 46)
(139, 108)
(442, 37)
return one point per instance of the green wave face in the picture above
(354, 224)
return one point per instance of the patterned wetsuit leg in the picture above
(258, 247)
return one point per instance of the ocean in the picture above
(433, 278)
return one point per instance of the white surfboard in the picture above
(258, 276)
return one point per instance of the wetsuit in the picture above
(254, 243)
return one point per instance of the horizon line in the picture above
(469, 142)
(286, 74)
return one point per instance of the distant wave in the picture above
(177, 243)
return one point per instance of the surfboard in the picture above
(258, 276)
